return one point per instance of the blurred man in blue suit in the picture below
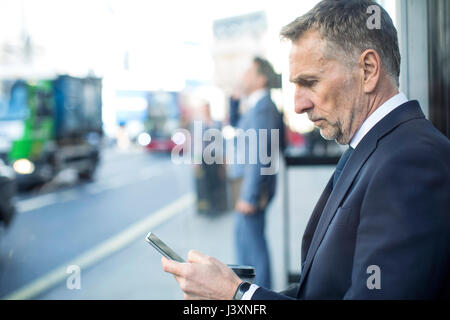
(256, 188)
(381, 228)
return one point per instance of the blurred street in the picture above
(54, 227)
(101, 226)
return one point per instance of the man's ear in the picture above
(370, 63)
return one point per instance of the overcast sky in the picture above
(94, 34)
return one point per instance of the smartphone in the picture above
(162, 247)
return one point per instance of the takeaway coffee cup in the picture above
(246, 273)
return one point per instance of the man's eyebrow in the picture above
(303, 78)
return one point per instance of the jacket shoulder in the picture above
(417, 138)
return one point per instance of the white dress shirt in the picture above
(376, 116)
(368, 124)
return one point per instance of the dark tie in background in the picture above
(341, 164)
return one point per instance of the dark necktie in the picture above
(341, 164)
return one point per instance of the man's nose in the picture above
(302, 102)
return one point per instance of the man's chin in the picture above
(327, 135)
(332, 135)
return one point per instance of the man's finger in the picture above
(196, 257)
(188, 295)
(171, 266)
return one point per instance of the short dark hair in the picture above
(265, 69)
(344, 23)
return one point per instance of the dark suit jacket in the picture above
(391, 209)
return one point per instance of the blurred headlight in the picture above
(23, 166)
(144, 139)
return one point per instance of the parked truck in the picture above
(51, 125)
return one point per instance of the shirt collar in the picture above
(376, 116)
(255, 96)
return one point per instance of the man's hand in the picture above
(203, 277)
(245, 207)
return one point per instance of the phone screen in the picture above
(162, 247)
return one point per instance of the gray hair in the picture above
(344, 23)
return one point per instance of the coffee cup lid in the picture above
(242, 270)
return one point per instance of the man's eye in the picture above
(310, 83)
(307, 83)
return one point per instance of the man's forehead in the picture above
(307, 54)
(252, 66)
(310, 43)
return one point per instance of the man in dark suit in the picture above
(381, 228)
(256, 190)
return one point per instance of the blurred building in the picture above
(236, 41)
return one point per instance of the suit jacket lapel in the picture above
(408, 111)
(314, 219)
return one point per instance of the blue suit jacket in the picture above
(391, 209)
(264, 115)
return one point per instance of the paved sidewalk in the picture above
(135, 272)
